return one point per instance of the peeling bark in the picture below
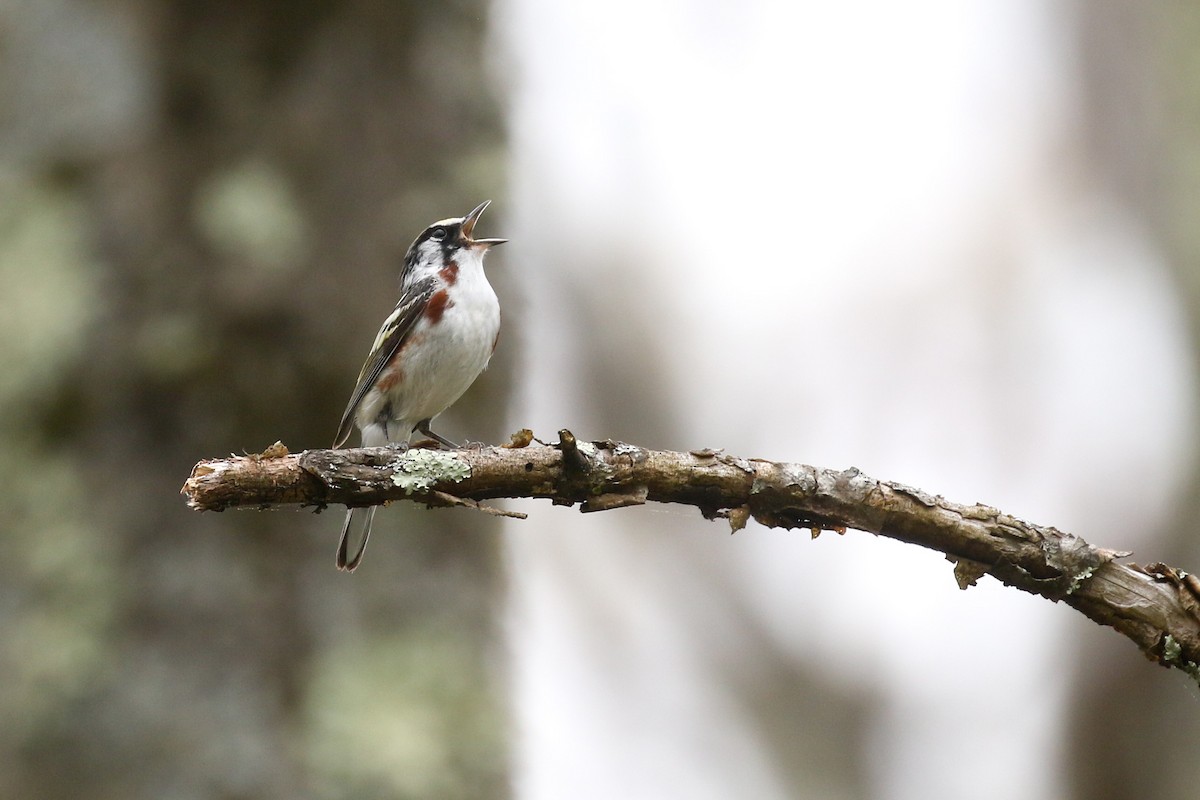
(1158, 607)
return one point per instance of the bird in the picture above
(428, 352)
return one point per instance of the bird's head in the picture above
(443, 241)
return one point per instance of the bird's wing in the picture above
(395, 330)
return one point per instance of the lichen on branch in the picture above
(1158, 607)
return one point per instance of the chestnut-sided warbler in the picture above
(429, 351)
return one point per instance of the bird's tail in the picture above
(355, 532)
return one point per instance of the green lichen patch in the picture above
(1173, 655)
(420, 470)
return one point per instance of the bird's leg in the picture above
(423, 427)
(399, 444)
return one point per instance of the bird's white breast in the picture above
(445, 351)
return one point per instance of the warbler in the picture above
(431, 348)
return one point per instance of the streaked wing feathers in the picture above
(392, 334)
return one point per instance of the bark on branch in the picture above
(1158, 607)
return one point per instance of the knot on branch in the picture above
(605, 470)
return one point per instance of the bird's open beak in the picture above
(468, 227)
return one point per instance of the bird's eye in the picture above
(438, 234)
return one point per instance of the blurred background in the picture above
(949, 243)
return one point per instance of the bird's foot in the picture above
(423, 427)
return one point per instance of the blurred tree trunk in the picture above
(1142, 114)
(247, 222)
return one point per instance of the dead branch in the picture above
(1158, 607)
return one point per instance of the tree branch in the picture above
(1158, 607)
